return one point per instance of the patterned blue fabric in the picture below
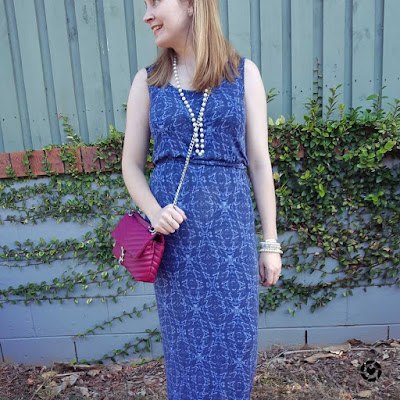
(207, 283)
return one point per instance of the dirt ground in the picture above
(353, 370)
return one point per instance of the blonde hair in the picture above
(212, 51)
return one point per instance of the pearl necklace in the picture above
(197, 124)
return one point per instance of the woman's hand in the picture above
(168, 219)
(270, 265)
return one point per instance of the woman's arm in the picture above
(134, 156)
(260, 169)
(136, 146)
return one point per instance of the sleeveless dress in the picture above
(206, 287)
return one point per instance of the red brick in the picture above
(88, 156)
(4, 163)
(16, 162)
(35, 161)
(78, 161)
(110, 159)
(53, 157)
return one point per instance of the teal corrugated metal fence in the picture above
(78, 59)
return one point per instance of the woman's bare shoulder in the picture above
(140, 77)
(251, 70)
(139, 88)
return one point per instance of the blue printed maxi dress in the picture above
(207, 283)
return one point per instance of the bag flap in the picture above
(132, 232)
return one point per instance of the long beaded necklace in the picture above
(197, 124)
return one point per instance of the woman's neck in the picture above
(186, 66)
(185, 59)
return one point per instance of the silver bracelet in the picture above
(271, 245)
(269, 242)
(272, 250)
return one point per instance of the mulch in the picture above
(352, 370)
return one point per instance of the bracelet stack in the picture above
(271, 245)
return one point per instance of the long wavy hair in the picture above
(212, 51)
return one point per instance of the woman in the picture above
(206, 286)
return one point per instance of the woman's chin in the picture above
(161, 45)
(161, 42)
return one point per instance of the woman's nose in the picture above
(147, 16)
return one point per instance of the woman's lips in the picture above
(156, 30)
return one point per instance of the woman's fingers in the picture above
(170, 223)
(262, 272)
(170, 219)
(176, 217)
(179, 212)
(270, 266)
